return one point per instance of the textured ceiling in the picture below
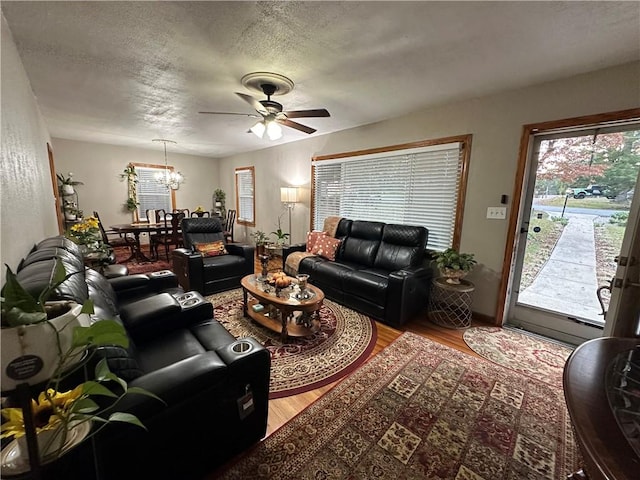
(127, 72)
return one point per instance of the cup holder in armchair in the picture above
(241, 346)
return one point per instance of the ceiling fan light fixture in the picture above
(274, 130)
(258, 129)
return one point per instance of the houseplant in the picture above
(280, 235)
(219, 203)
(70, 210)
(86, 234)
(454, 265)
(66, 184)
(55, 339)
(260, 238)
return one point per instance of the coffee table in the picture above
(283, 312)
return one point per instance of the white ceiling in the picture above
(125, 73)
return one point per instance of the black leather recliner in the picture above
(209, 275)
(380, 270)
(178, 352)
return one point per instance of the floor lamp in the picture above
(289, 197)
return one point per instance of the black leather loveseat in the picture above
(178, 352)
(379, 270)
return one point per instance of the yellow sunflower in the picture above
(45, 412)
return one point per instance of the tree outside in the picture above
(611, 160)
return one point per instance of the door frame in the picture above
(520, 186)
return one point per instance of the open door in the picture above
(577, 216)
(623, 316)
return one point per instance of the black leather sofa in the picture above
(178, 352)
(209, 275)
(380, 270)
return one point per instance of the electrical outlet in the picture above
(497, 213)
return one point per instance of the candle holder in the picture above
(302, 279)
(264, 261)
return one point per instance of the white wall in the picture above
(496, 124)
(28, 204)
(99, 167)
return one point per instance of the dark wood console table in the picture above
(607, 453)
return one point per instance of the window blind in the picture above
(245, 188)
(411, 187)
(151, 194)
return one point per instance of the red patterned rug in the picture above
(421, 410)
(123, 253)
(524, 353)
(344, 341)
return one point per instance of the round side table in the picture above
(450, 303)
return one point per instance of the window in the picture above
(245, 200)
(421, 183)
(151, 194)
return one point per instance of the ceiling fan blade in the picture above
(252, 115)
(254, 103)
(321, 112)
(297, 126)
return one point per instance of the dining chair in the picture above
(111, 238)
(228, 228)
(205, 213)
(181, 210)
(169, 235)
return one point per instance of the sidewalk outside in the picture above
(567, 283)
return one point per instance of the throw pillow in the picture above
(312, 238)
(326, 247)
(212, 249)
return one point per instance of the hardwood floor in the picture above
(282, 410)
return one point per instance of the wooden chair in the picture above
(182, 210)
(111, 238)
(228, 228)
(169, 235)
(205, 213)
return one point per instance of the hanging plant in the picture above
(130, 174)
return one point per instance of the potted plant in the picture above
(131, 205)
(66, 184)
(454, 265)
(280, 235)
(86, 234)
(219, 202)
(50, 341)
(260, 238)
(70, 210)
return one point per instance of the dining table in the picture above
(136, 229)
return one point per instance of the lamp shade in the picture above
(289, 194)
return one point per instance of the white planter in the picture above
(69, 216)
(67, 189)
(30, 352)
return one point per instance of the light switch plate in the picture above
(497, 213)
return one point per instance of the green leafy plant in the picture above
(280, 235)
(54, 411)
(454, 260)
(259, 237)
(131, 204)
(62, 180)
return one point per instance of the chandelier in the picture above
(168, 178)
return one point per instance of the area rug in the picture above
(123, 253)
(344, 341)
(421, 410)
(527, 354)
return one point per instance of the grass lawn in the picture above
(598, 203)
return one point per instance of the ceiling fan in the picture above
(273, 114)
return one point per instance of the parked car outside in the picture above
(591, 191)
